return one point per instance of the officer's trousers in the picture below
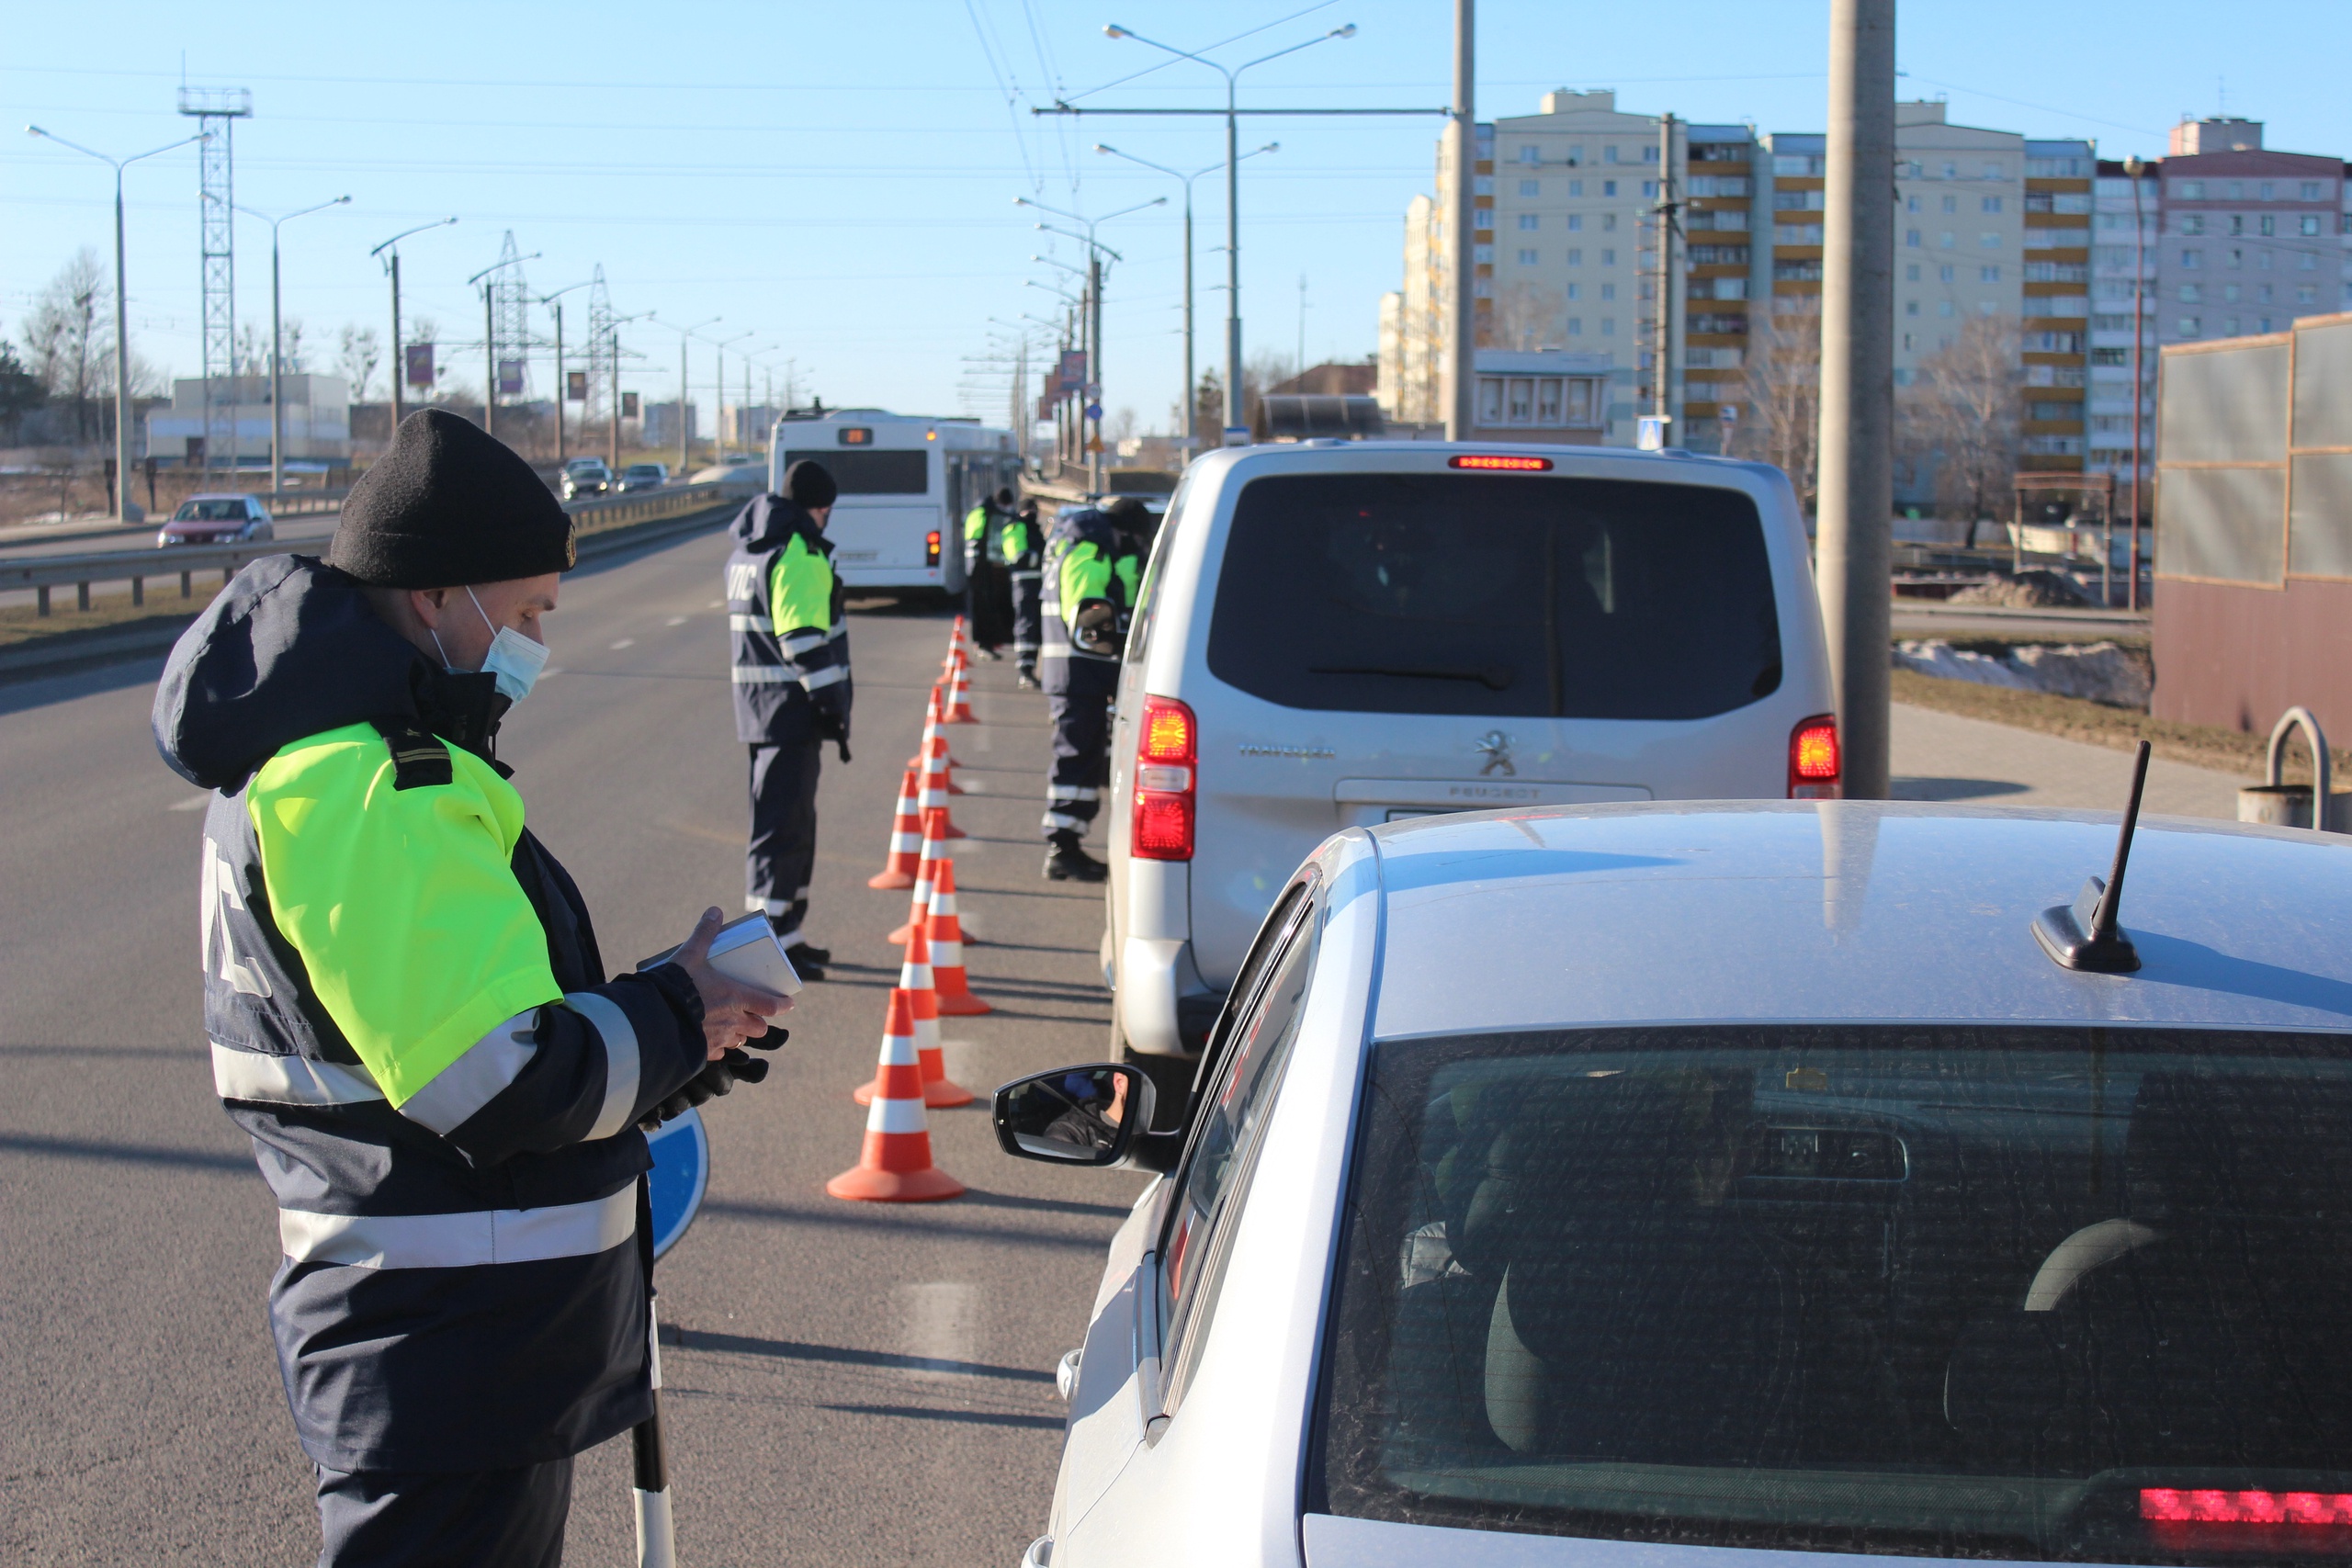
(783, 852)
(1080, 704)
(988, 604)
(1028, 583)
(483, 1518)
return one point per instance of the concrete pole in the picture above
(682, 458)
(616, 402)
(1192, 395)
(489, 363)
(1461, 378)
(1856, 443)
(125, 509)
(2133, 167)
(1234, 407)
(1661, 399)
(1094, 363)
(277, 381)
(399, 354)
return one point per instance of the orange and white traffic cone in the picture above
(947, 940)
(959, 642)
(936, 789)
(895, 1166)
(939, 1092)
(960, 697)
(918, 907)
(932, 739)
(906, 840)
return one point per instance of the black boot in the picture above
(807, 962)
(1028, 678)
(1067, 862)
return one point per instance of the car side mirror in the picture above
(1087, 1115)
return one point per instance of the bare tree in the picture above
(358, 351)
(1782, 389)
(289, 347)
(1529, 317)
(1121, 427)
(69, 336)
(251, 357)
(1963, 416)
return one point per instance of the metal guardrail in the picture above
(41, 574)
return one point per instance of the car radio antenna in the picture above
(2084, 935)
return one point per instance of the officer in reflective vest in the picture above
(1022, 547)
(790, 676)
(410, 1016)
(986, 603)
(1090, 580)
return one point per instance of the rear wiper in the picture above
(1494, 677)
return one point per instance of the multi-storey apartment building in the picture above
(2252, 238)
(2115, 251)
(2056, 305)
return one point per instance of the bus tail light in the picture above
(1815, 766)
(1167, 755)
(930, 548)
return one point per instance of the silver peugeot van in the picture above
(1341, 634)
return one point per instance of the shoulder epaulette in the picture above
(419, 758)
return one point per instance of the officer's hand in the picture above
(732, 1012)
(1096, 629)
(716, 1077)
(834, 727)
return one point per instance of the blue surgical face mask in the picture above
(514, 661)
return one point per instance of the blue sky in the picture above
(839, 179)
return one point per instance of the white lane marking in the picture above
(193, 802)
(985, 741)
(551, 670)
(715, 604)
(943, 1321)
(625, 642)
(675, 621)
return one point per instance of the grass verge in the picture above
(21, 623)
(2076, 718)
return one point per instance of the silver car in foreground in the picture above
(1689, 1184)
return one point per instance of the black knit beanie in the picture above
(450, 504)
(807, 484)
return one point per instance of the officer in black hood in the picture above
(410, 1016)
(791, 680)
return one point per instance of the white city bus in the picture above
(906, 481)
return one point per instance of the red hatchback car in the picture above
(217, 520)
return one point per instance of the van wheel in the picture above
(1172, 1080)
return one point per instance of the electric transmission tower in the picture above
(510, 320)
(602, 369)
(216, 111)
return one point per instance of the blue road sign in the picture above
(681, 1174)
(1094, 412)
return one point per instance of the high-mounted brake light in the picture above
(1167, 751)
(1814, 767)
(1500, 463)
(930, 548)
(2165, 1505)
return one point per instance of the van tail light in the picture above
(1167, 755)
(930, 548)
(1813, 761)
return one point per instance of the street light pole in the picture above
(1233, 399)
(1095, 253)
(1192, 399)
(1461, 376)
(125, 509)
(2133, 168)
(554, 302)
(490, 340)
(718, 400)
(685, 456)
(276, 348)
(400, 356)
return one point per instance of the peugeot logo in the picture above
(1494, 745)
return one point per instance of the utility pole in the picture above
(1460, 378)
(276, 343)
(1856, 439)
(562, 389)
(2133, 168)
(683, 456)
(489, 362)
(392, 265)
(1301, 367)
(1095, 364)
(616, 402)
(1668, 226)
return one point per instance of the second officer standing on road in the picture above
(1090, 585)
(790, 677)
(1021, 548)
(986, 604)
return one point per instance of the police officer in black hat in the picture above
(791, 681)
(1088, 587)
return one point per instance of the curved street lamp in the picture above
(392, 265)
(276, 350)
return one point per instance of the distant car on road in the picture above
(644, 476)
(217, 520)
(1353, 633)
(1620, 1184)
(586, 476)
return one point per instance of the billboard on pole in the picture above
(575, 386)
(1072, 375)
(510, 377)
(628, 405)
(419, 360)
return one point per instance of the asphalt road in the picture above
(851, 1383)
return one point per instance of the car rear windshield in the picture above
(2003, 1292)
(870, 472)
(1495, 594)
(210, 511)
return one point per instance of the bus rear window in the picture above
(870, 472)
(1495, 594)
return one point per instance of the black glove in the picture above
(716, 1078)
(1096, 629)
(834, 727)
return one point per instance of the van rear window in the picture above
(1495, 594)
(870, 472)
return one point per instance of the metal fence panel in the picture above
(2323, 386)
(2319, 524)
(2224, 405)
(2228, 525)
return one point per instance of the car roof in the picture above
(1846, 911)
(221, 495)
(1569, 459)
